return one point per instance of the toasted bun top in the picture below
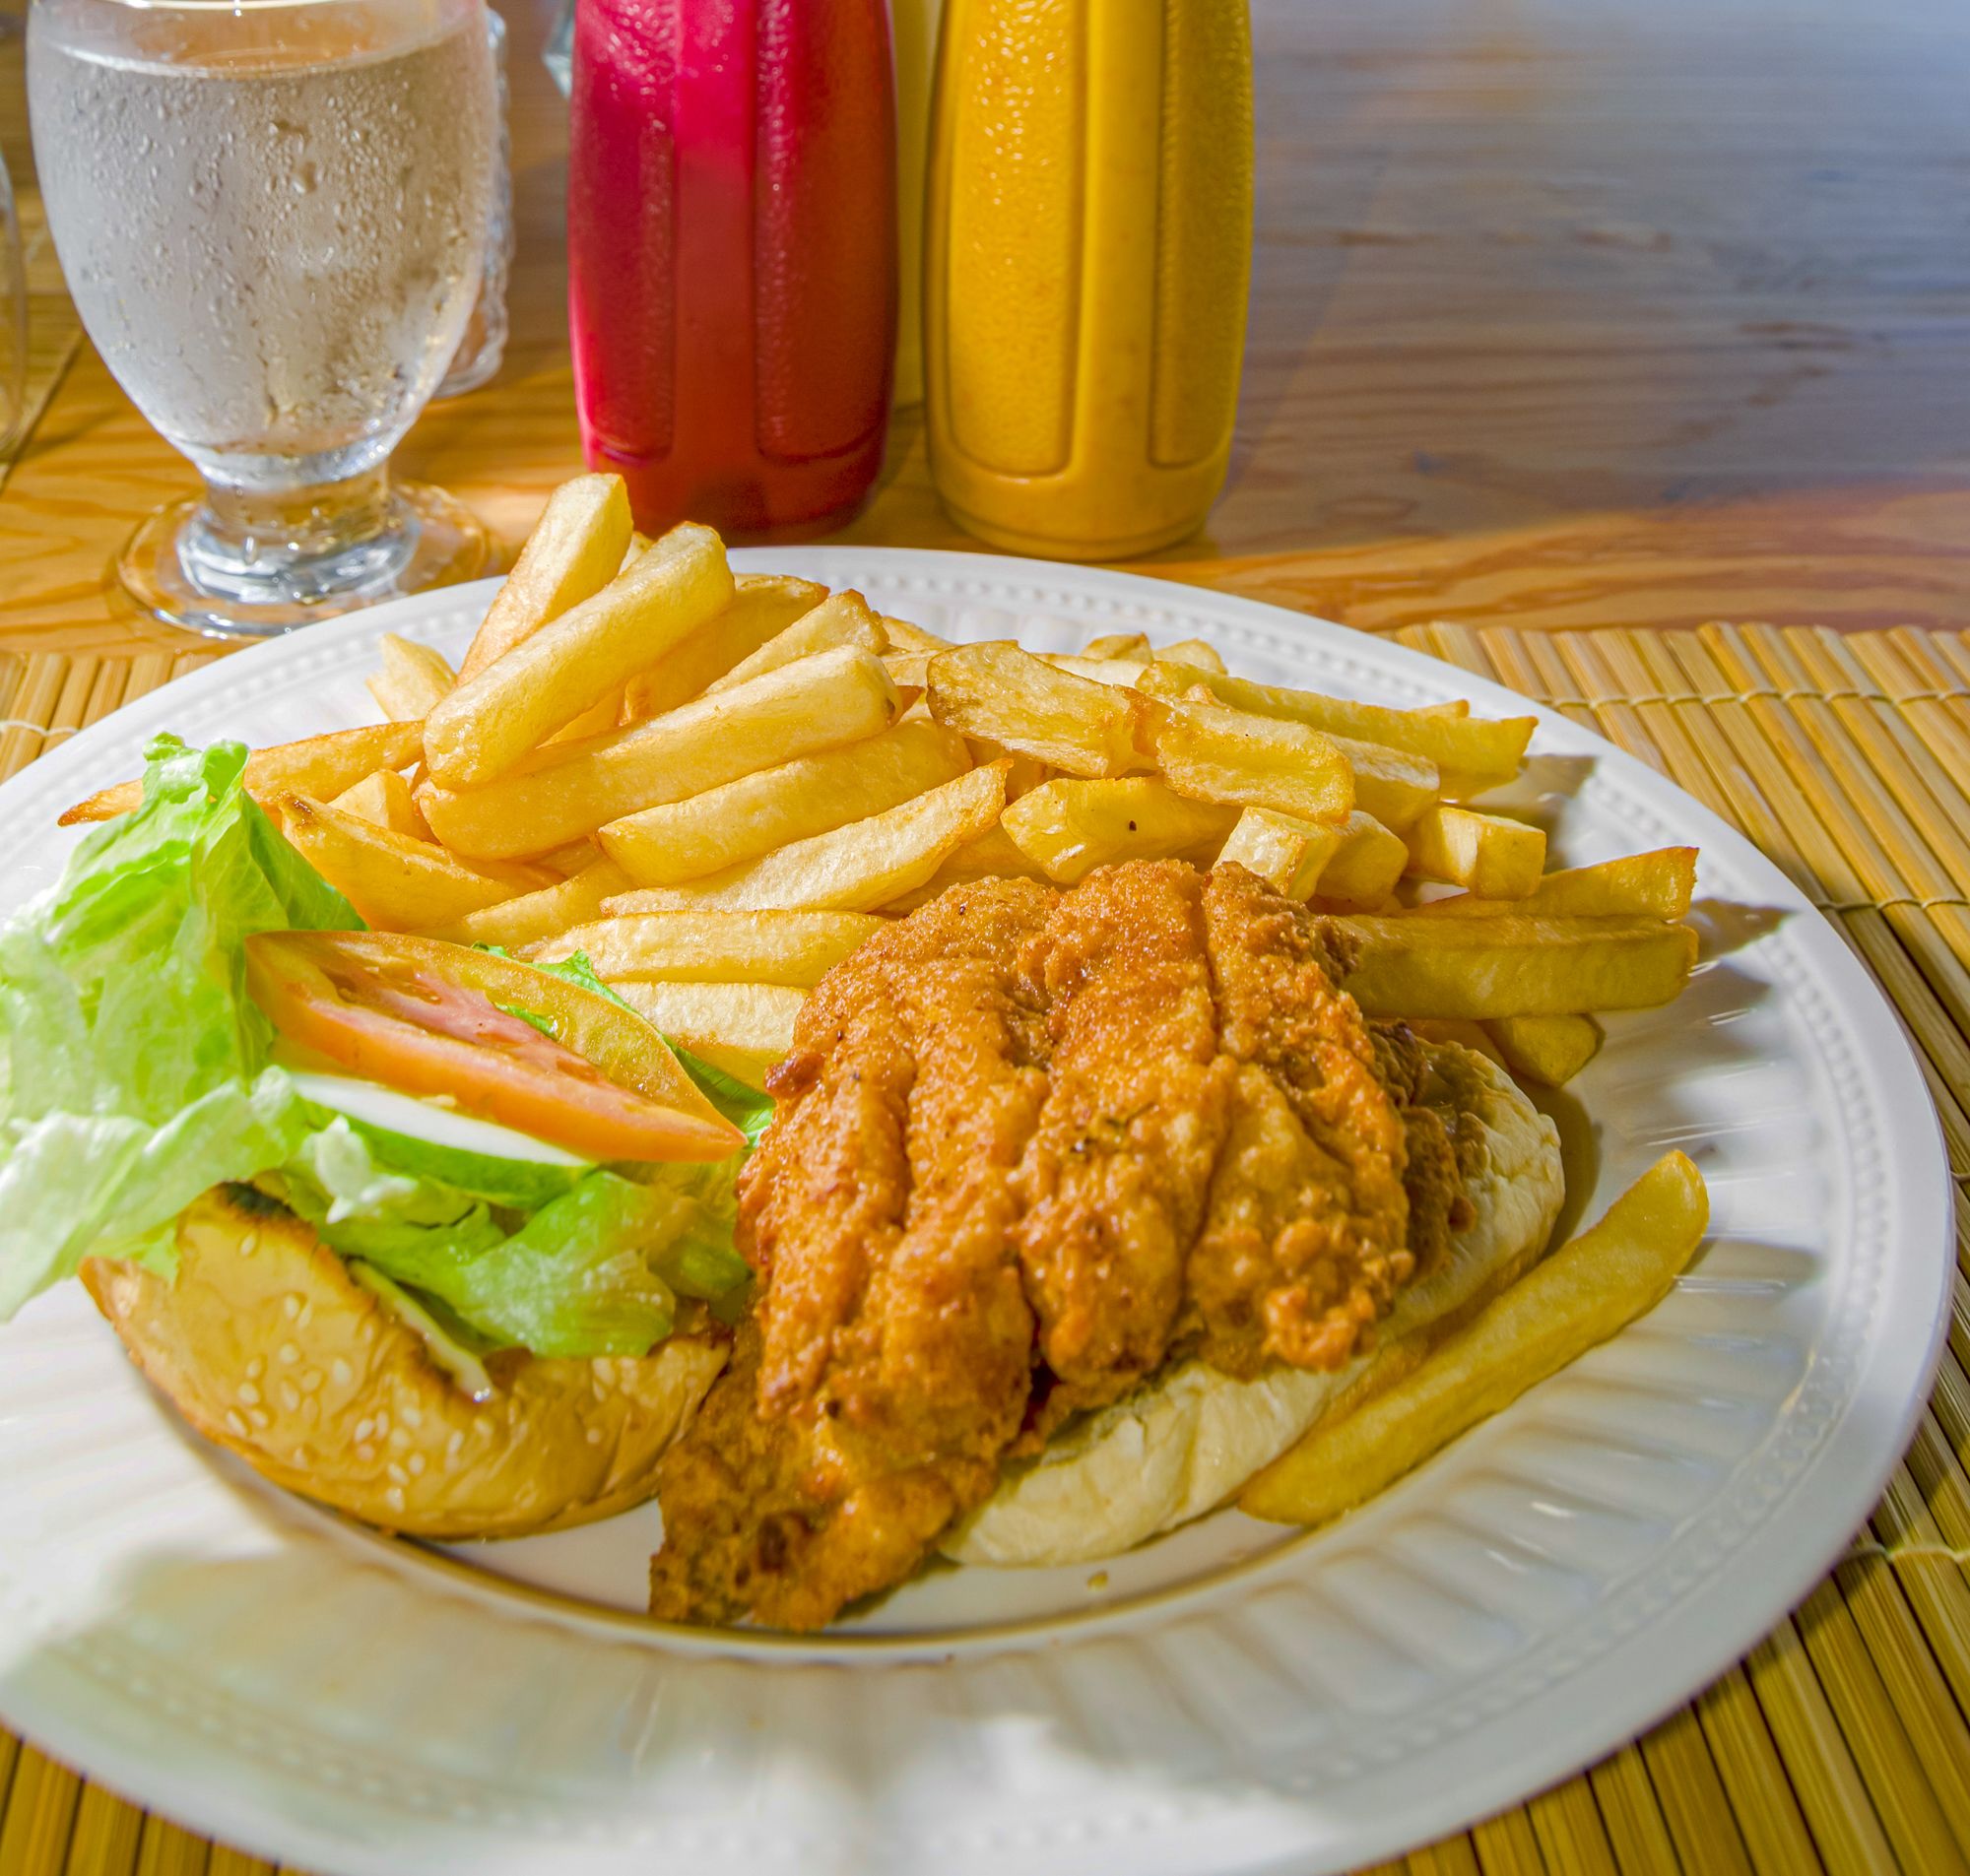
(1184, 1443)
(267, 1345)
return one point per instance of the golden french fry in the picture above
(316, 765)
(1586, 1291)
(1548, 1049)
(903, 636)
(565, 862)
(737, 822)
(385, 798)
(854, 869)
(1231, 756)
(572, 789)
(1478, 751)
(763, 604)
(909, 668)
(516, 923)
(1023, 703)
(413, 680)
(1495, 858)
(549, 678)
(1393, 785)
(991, 856)
(1289, 855)
(1069, 826)
(1510, 966)
(599, 718)
(1653, 885)
(639, 545)
(1191, 651)
(742, 1028)
(575, 550)
(716, 947)
(396, 884)
(842, 618)
(1364, 867)
(1132, 645)
(1472, 1035)
(1120, 672)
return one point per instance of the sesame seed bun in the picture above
(1191, 1438)
(268, 1346)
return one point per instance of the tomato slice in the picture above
(430, 1019)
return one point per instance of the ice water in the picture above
(275, 250)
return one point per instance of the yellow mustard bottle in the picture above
(1087, 243)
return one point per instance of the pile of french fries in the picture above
(717, 785)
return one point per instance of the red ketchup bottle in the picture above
(732, 255)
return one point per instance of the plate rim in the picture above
(1888, 1053)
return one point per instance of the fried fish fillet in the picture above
(1028, 1143)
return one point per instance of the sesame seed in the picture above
(341, 1372)
(249, 1244)
(235, 1425)
(382, 1423)
(365, 1428)
(399, 1438)
(256, 1367)
(594, 1436)
(260, 1418)
(417, 1466)
(287, 1355)
(397, 1474)
(394, 1499)
(310, 1380)
(454, 1445)
(290, 1306)
(291, 1398)
(306, 1316)
(249, 1395)
(365, 1451)
(413, 1416)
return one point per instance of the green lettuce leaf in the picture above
(133, 1067)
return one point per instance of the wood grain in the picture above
(1565, 313)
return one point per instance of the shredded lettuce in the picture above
(135, 1073)
(133, 1067)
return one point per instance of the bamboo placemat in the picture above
(1840, 1741)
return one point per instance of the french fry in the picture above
(1548, 1049)
(1586, 1291)
(763, 604)
(317, 765)
(413, 682)
(514, 924)
(1191, 651)
(1650, 885)
(742, 1028)
(842, 618)
(738, 822)
(1289, 855)
(575, 550)
(1023, 703)
(716, 947)
(991, 856)
(385, 798)
(903, 636)
(854, 869)
(601, 716)
(568, 790)
(1478, 751)
(1506, 966)
(1231, 756)
(1069, 826)
(1495, 858)
(1393, 785)
(909, 668)
(1470, 1035)
(1131, 645)
(550, 677)
(396, 884)
(1364, 867)
(1120, 672)
(639, 545)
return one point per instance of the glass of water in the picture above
(272, 217)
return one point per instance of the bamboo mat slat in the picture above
(1843, 1742)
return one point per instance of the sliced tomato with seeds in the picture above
(430, 1018)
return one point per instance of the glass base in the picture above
(179, 568)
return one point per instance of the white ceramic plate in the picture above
(1236, 1697)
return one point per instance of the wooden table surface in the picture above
(1566, 313)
